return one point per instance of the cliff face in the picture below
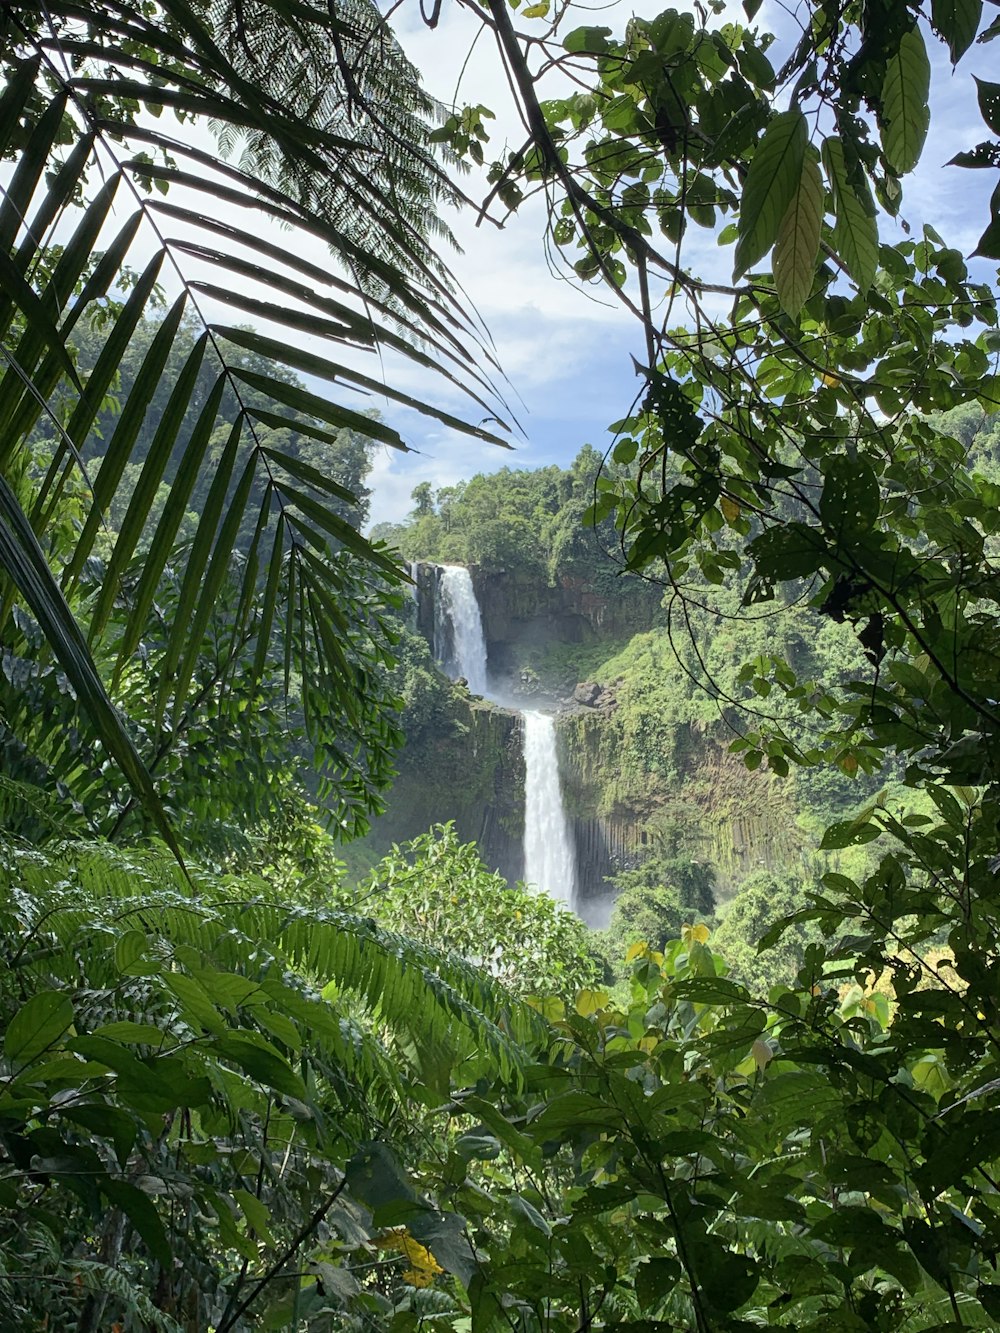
(521, 614)
(637, 782)
(471, 772)
(702, 801)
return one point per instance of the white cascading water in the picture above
(460, 646)
(457, 598)
(549, 858)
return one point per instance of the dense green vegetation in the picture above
(241, 1088)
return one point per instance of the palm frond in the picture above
(331, 127)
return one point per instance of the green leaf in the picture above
(654, 1281)
(851, 501)
(792, 551)
(855, 230)
(197, 561)
(130, 948)
(957, 21)
(107, 1122)
(122, 442)
(141, 1212)
(257, 1214)
(989, 103)
(37, 317)
(771, 183)
(37, 1025)
(523, 1208)
(849, 833)
(592, 41)
(798, 240)
(263, 1064)
(162, 545)
(905, 102)
(22, 559)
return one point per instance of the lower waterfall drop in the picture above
(549, 855)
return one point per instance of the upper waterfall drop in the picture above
(466, 653)
(549, 855)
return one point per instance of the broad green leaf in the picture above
(106, 1121)
(593, 41)
(141, 1212)
(989, 103)
(264, 1065)
(196, 1004)
(855, 229)
(989, 245)
(850, 503)
(771, 183)
(905, 102)
(849, 833)
(797, 245)
(37, 1025)
(791, 551)
(257, 1214)
(957, 21)
(654, 1280)
(132, 946)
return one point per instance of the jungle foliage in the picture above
(226, 1105)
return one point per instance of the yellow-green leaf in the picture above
(855, 230)
(798, 240)
(771, 184)
(905, 108)
(590, 1001)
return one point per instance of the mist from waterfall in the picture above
(465, 654)
(549, 857)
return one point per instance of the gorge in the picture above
(643, 706)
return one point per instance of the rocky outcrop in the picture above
(471, 773)
(588, 694)
(704, 800)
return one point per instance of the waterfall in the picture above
(549, 859)
(462, 651)
(460, 647)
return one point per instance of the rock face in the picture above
(520, 614)
(633, 789)
(720, 812)
(472, 773)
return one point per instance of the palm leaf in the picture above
(331, 128)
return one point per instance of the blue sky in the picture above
(567, 357)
